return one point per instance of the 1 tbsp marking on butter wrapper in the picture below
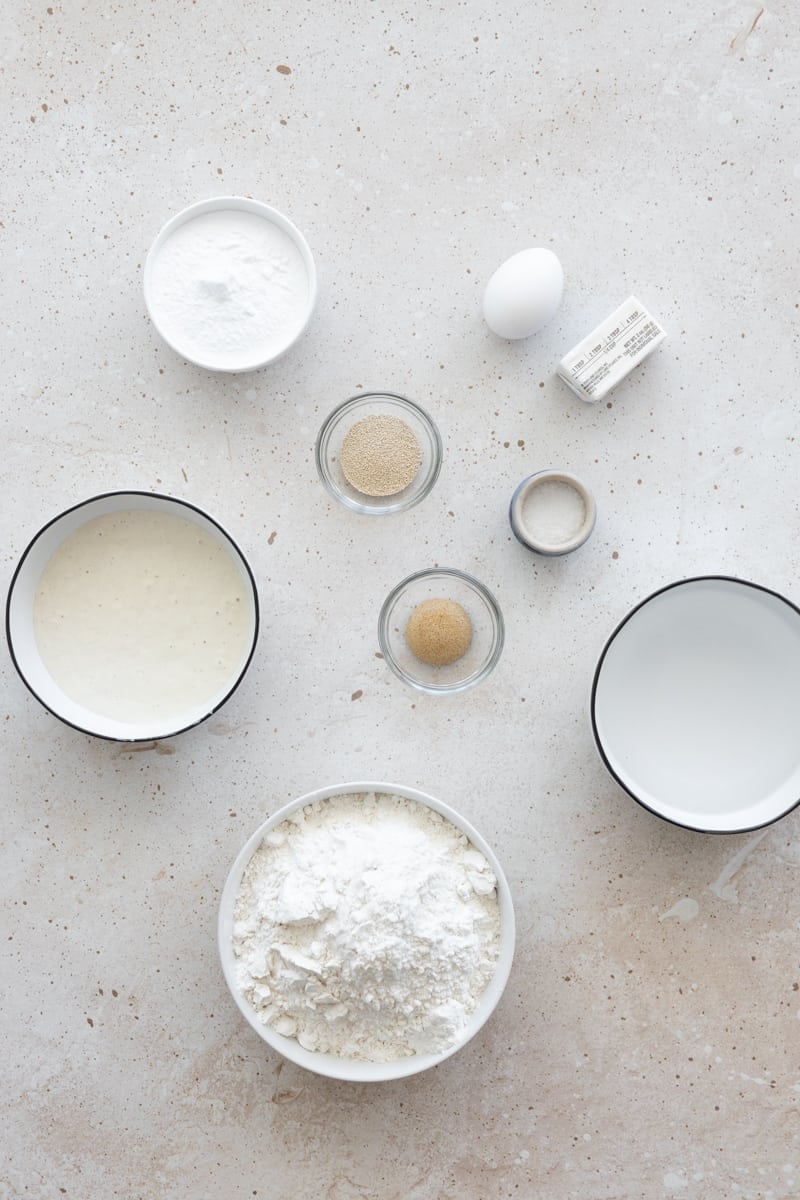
(611, 351)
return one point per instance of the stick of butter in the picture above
(611, 351)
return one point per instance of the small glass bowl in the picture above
(328, 452)
(488, 631)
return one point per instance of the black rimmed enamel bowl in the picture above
(132, 616)
(695, 704)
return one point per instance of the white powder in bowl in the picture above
(553, 511)
(366, 926)
(229, 286)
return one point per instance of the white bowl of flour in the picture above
(366, 931)
(230, 284)
(132, 616)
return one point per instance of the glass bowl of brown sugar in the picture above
(441, 631)
(378, 453)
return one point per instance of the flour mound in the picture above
(366, 926)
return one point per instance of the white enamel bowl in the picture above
(695, 705)
(356, 1070)
(20, 625)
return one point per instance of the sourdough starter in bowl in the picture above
(366, 926)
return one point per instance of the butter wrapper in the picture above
(611, 351)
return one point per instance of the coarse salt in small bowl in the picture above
(378, 453)
(552, 513)
(425, 613)
(230, 284)
(374, 882)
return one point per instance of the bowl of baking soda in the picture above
(378, 453)
(230, 283)
(441, 631)
(366, 931)
(132, 616)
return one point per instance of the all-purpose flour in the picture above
(366, 926)
(229, 286)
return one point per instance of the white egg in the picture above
(524, 293)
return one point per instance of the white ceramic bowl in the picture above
(695, 704)
(21, 625)
(171, 284)
(357, 1070)
(544, 542)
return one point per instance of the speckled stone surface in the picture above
(647, 1044)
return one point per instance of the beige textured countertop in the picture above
(647, 1044)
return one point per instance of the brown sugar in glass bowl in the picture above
(439, 631)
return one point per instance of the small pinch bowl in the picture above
(21, 632)
(488, 631)
(328, 450)
(528, 537)
(206, 358)
(330, 1065)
